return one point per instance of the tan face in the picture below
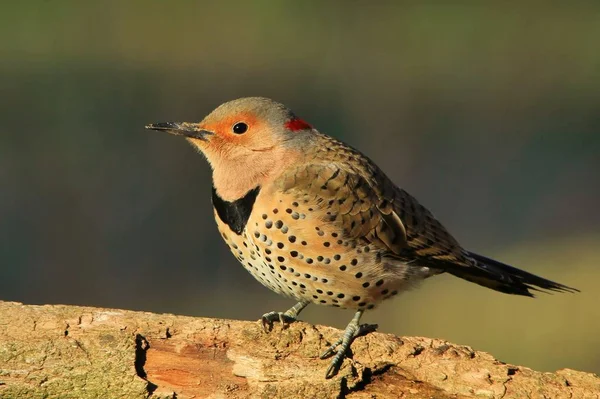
(246, 142)
(237, 136)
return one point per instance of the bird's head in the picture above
(245, 141)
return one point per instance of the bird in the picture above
(315, 220)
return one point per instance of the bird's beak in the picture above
(191, 130)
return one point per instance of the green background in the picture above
(490, 115)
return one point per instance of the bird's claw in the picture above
(285, 318)
(268, 318)
(352, 331)
(331, 350)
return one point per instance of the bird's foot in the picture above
(269, 318)
(352, 331)
(285, 318)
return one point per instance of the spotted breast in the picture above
(300, 244)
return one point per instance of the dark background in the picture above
(488, 114)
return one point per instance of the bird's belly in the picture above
(305, 260)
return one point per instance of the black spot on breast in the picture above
(235, 214)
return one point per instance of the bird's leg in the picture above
(288, 316)
(352, 331)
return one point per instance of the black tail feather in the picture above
(504, 278)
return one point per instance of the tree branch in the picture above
(81, 352)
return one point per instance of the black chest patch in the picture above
(235, 214)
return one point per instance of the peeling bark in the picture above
(80, 352)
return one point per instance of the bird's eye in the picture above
(240, 128)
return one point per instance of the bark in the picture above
(81, 352)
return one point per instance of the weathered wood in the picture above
(80, 352)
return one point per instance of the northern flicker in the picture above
(317, 221)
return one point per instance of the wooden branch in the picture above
(81, 352)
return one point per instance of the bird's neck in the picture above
(231, 185)
(232, 180)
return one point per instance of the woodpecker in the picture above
(317, 221)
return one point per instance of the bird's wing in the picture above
(426, 238)
(345, 199)
(352, 193)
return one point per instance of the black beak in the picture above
(186, 129)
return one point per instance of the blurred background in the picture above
(490, 115)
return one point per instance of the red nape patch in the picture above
(297, 124)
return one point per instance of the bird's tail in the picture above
(504, 278)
